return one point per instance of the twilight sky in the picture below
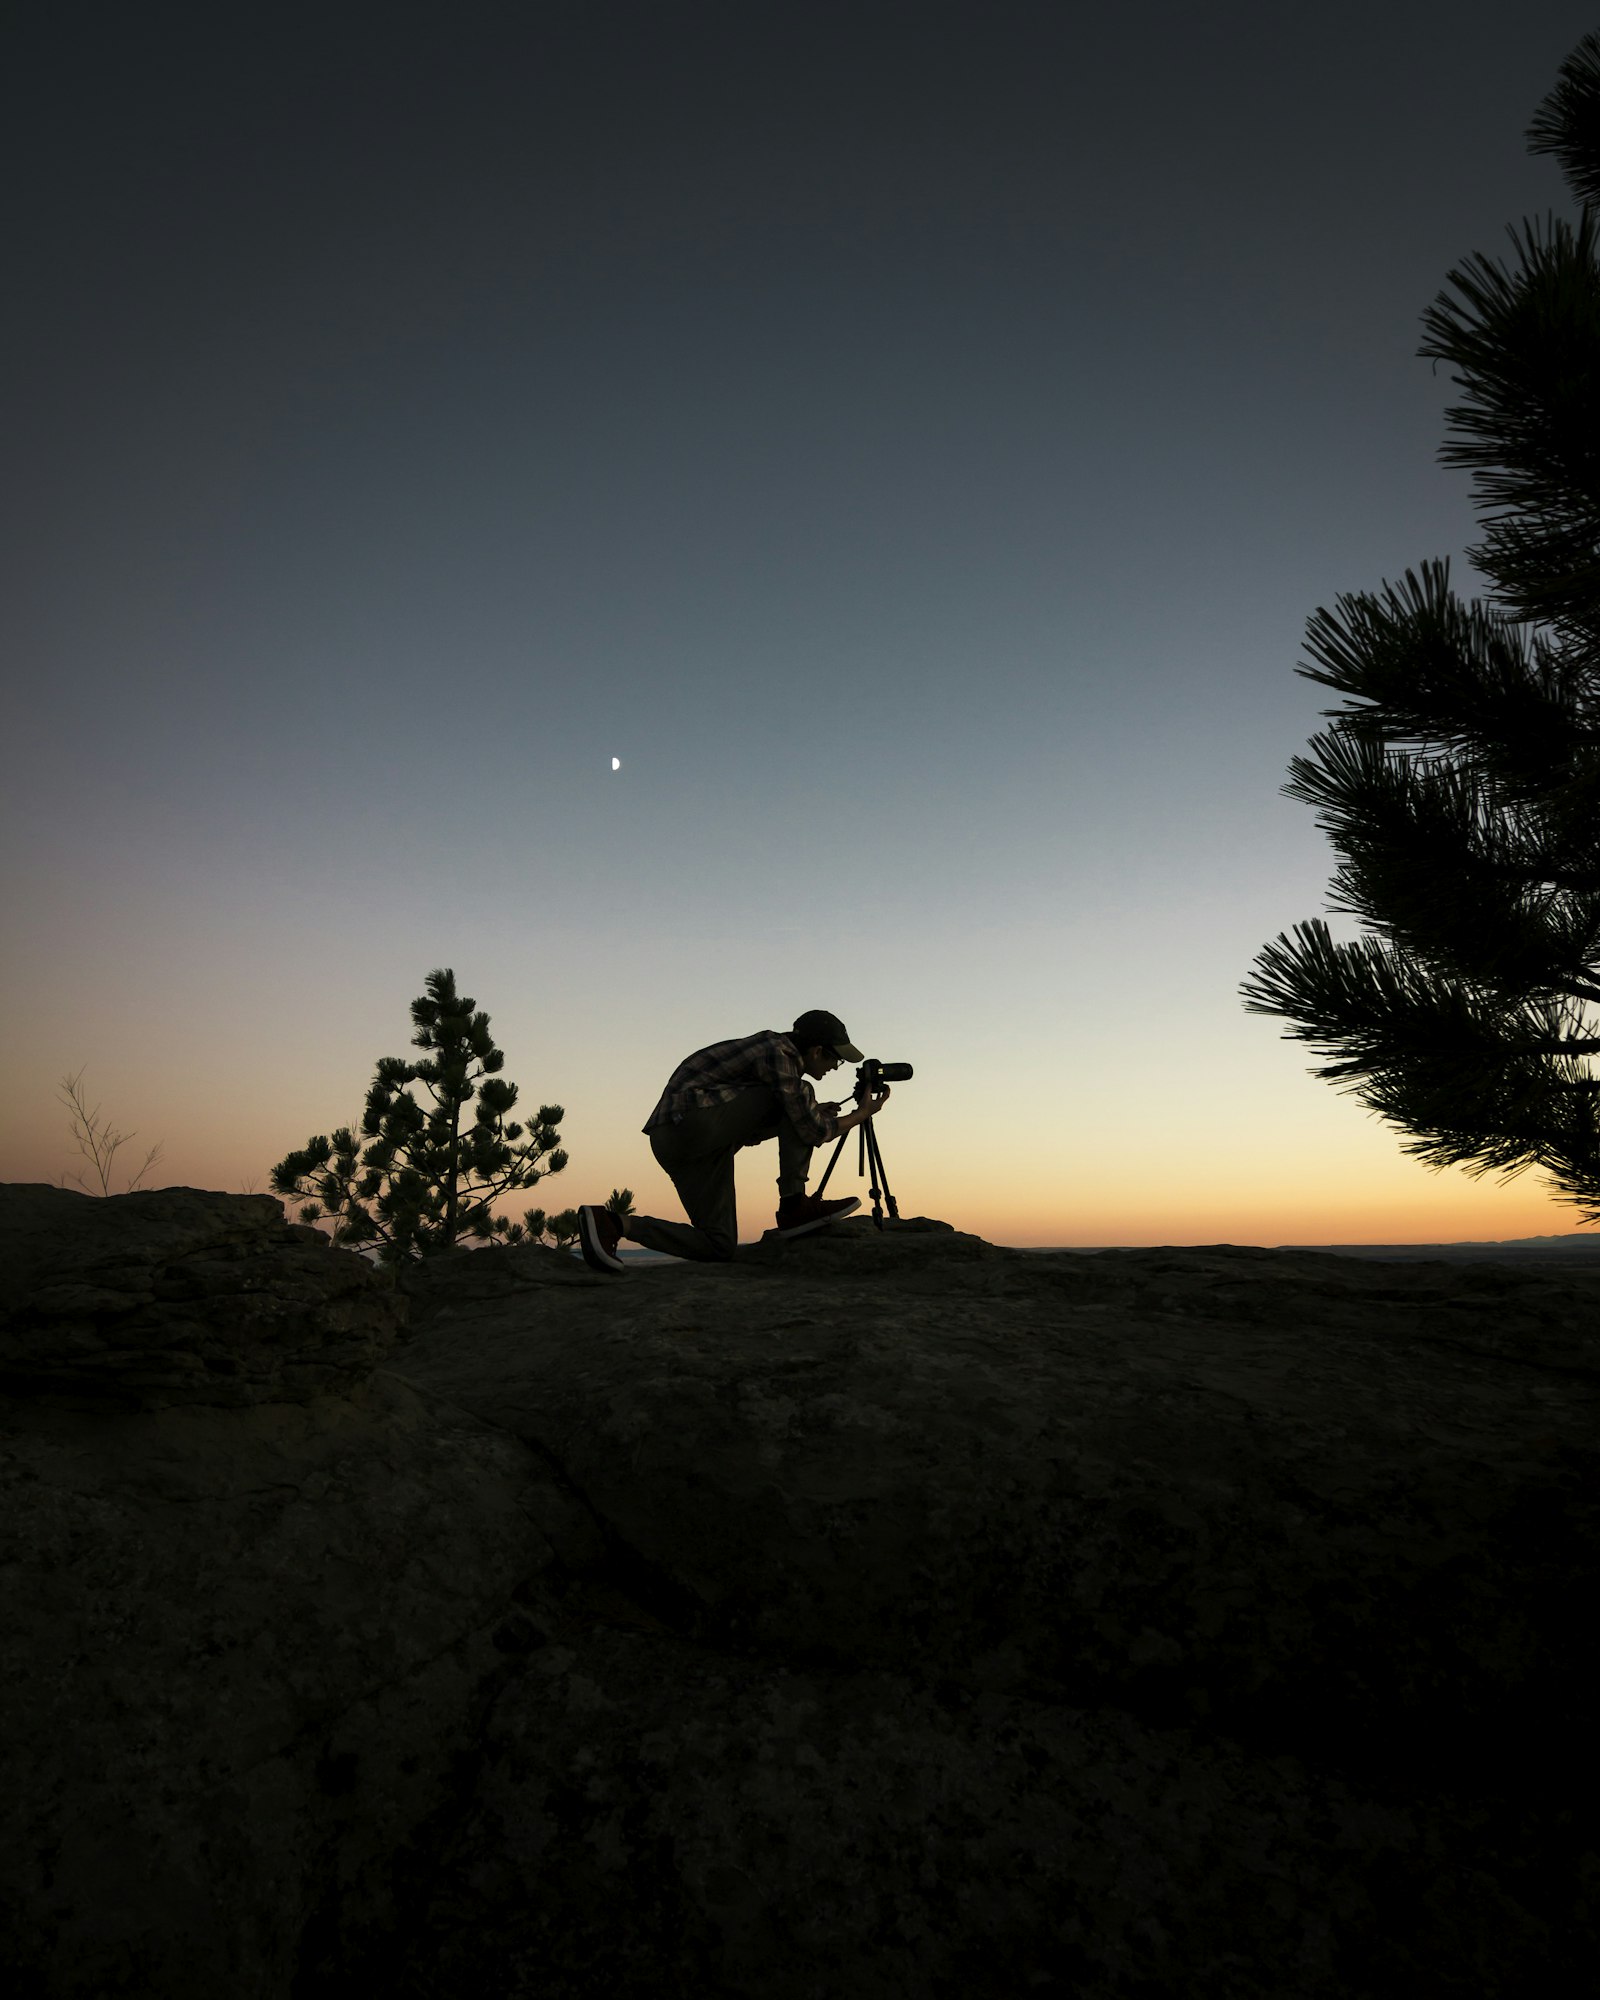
(912, 438)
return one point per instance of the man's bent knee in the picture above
(721, 1247)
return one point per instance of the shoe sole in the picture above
(822, 1221)
(595, 1253)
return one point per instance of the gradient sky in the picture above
(912, 438)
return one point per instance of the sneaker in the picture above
(799, 1214)
(599, 1233)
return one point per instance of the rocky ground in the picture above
(880, 1615)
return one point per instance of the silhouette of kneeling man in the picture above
(729, 1095)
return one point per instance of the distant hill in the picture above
(1573, 1249)
(1580, 1249)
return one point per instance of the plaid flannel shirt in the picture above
(769, 1061)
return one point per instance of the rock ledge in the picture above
(181, 1296)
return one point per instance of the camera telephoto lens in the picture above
(872, 1073)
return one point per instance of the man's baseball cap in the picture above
(827, 1030)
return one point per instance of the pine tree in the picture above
(424, 1183)
(1459, 782)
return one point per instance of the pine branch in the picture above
(1567, 123)
(1524, 343)
(1421, 668)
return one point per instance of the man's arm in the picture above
(816, 1123)
(869, 1107)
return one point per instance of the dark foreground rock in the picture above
(878, 1615)
(180, 1296)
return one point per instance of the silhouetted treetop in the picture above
(1567, 123)
(425, 1181)
(1459, 780)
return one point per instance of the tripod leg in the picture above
(880, 1171)
(831, 1165)
(868, 1155)
(869, 1158)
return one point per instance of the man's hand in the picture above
(869, 1107)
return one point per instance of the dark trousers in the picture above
(697, 1156)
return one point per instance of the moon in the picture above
(616, 763)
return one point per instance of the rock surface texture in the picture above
(180, 1296)
(877, 1615)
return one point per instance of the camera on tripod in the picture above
(870, 1079)
(872, 1074)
